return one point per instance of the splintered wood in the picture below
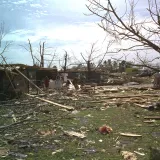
(89, 89)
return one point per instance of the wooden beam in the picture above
(51, 102)
(152, 117)
(130, 135)
(28, 79)
(128, 96)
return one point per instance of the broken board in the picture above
(54, 103)
(75, 134)
(130, 135)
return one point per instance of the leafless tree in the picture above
(143, 61)
(39, 60)
(143, 34)
(2, 32)
(139, 61)
(2, 50)
(29, 49)
(2, 35)
(41, 52)
(94, 54)
(90, 56)
(50, 65)
(65, 62)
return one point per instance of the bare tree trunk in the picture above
(40, 52)
(65, 63)
(2, 32)
(31, 51)
(42, 56)
(89, 69)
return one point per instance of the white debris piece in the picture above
(76, 134)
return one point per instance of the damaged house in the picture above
(12, 83)
(37, 74)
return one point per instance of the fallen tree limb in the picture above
(54, 103)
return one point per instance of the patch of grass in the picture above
(122, 119)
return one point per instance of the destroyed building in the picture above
(12, 83)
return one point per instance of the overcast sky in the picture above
(61, 23)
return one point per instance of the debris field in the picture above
(120, 122)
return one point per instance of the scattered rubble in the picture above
(71, 101)
(128, 155)
(115, 81)
(46, 133)
(3, 152)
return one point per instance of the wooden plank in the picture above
(139, 153)
(27, 79)
(152, 117)
(75, 134)
(130, 135)
(149, 121)
(128, 96)
(142, 106)
(51, 102)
